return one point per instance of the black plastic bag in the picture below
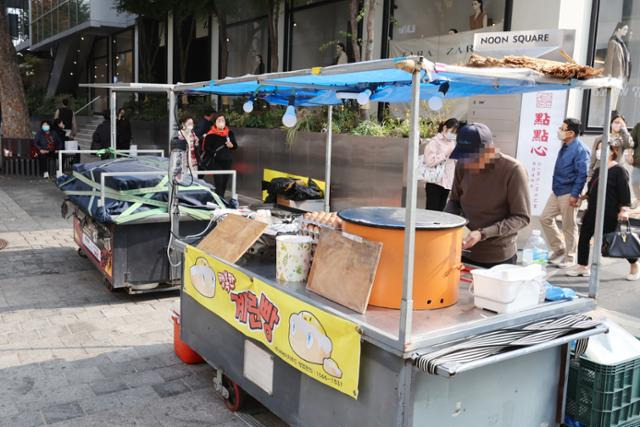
(292, 189)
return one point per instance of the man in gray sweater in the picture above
(491, 191)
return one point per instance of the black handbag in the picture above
(622, 243)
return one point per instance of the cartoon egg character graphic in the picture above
(203, 278)
(310, 342)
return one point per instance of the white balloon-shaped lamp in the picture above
(436, 102)
(248, 106)
(289, 119)
(363, 97)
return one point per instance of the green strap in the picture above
(145, 199)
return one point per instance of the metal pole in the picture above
(172, 116)
(169, 43)
(327, 160)
(112, 107)
(406, 308)
(602, 189)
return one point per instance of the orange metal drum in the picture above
(438, 252)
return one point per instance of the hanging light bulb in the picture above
(289, 119)
(248, 106)
(436, 102)
(363, 97)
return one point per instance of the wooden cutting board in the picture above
(344, 268)
(232, 237)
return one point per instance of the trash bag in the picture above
(296, 190)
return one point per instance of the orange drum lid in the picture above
(386, 217)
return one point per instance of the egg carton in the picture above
(307, 229)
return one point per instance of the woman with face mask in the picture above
(187, 134)
(217, 147)
(618, 137)
(46, 143)
(439, 167)
(617, 202)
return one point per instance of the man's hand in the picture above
(228, 144)
(573, 201)
(44, 151)
(471, 240)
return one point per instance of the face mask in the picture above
(451, 136)
(220, 125)
(45, 128)
(189, 127)
(598, 154)
(561, 135)
(616, 127)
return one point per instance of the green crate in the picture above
(604, 396)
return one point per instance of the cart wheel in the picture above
(108, 285)
(236, 395)
(81, 253)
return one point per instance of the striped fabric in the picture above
(492, 343)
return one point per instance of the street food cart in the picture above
(314, 362)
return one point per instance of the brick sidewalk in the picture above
(71, 352)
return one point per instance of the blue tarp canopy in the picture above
(389, 82)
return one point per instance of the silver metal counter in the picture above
(431, 328)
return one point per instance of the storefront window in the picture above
(315, 32)
(442, 30)
(247, 41)
(53, 17)
(123, 56)
(612, 51)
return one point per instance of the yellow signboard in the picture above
(320, 345)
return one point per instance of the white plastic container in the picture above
(508, 288)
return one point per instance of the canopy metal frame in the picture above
(421, 71)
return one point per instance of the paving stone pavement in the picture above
(71, 352)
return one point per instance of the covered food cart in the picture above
(314, 362)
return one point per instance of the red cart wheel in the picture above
(236, 394)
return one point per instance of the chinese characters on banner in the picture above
(320, 345)
(541, 116)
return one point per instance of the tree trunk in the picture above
(149, 49)
(15, 115)
(354, 9)
(274, 17)
(371, 15)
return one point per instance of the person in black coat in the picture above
(123, 131)
(46, 143)
(204, 124)
(617, 202)
(102, 136)
(218, 145)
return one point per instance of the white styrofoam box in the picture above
(508, 288)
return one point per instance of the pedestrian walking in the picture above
(616, 208)
(569, 177)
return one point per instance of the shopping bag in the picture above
(622, 243)
(429, 174)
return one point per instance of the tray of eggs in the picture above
(314, 222)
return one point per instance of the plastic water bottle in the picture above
(536, 250)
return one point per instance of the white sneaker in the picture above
(556, 257)
(566, 264)
(579, 271)
(45, 175)
(633, 277)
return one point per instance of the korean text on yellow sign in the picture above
(321, 345)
